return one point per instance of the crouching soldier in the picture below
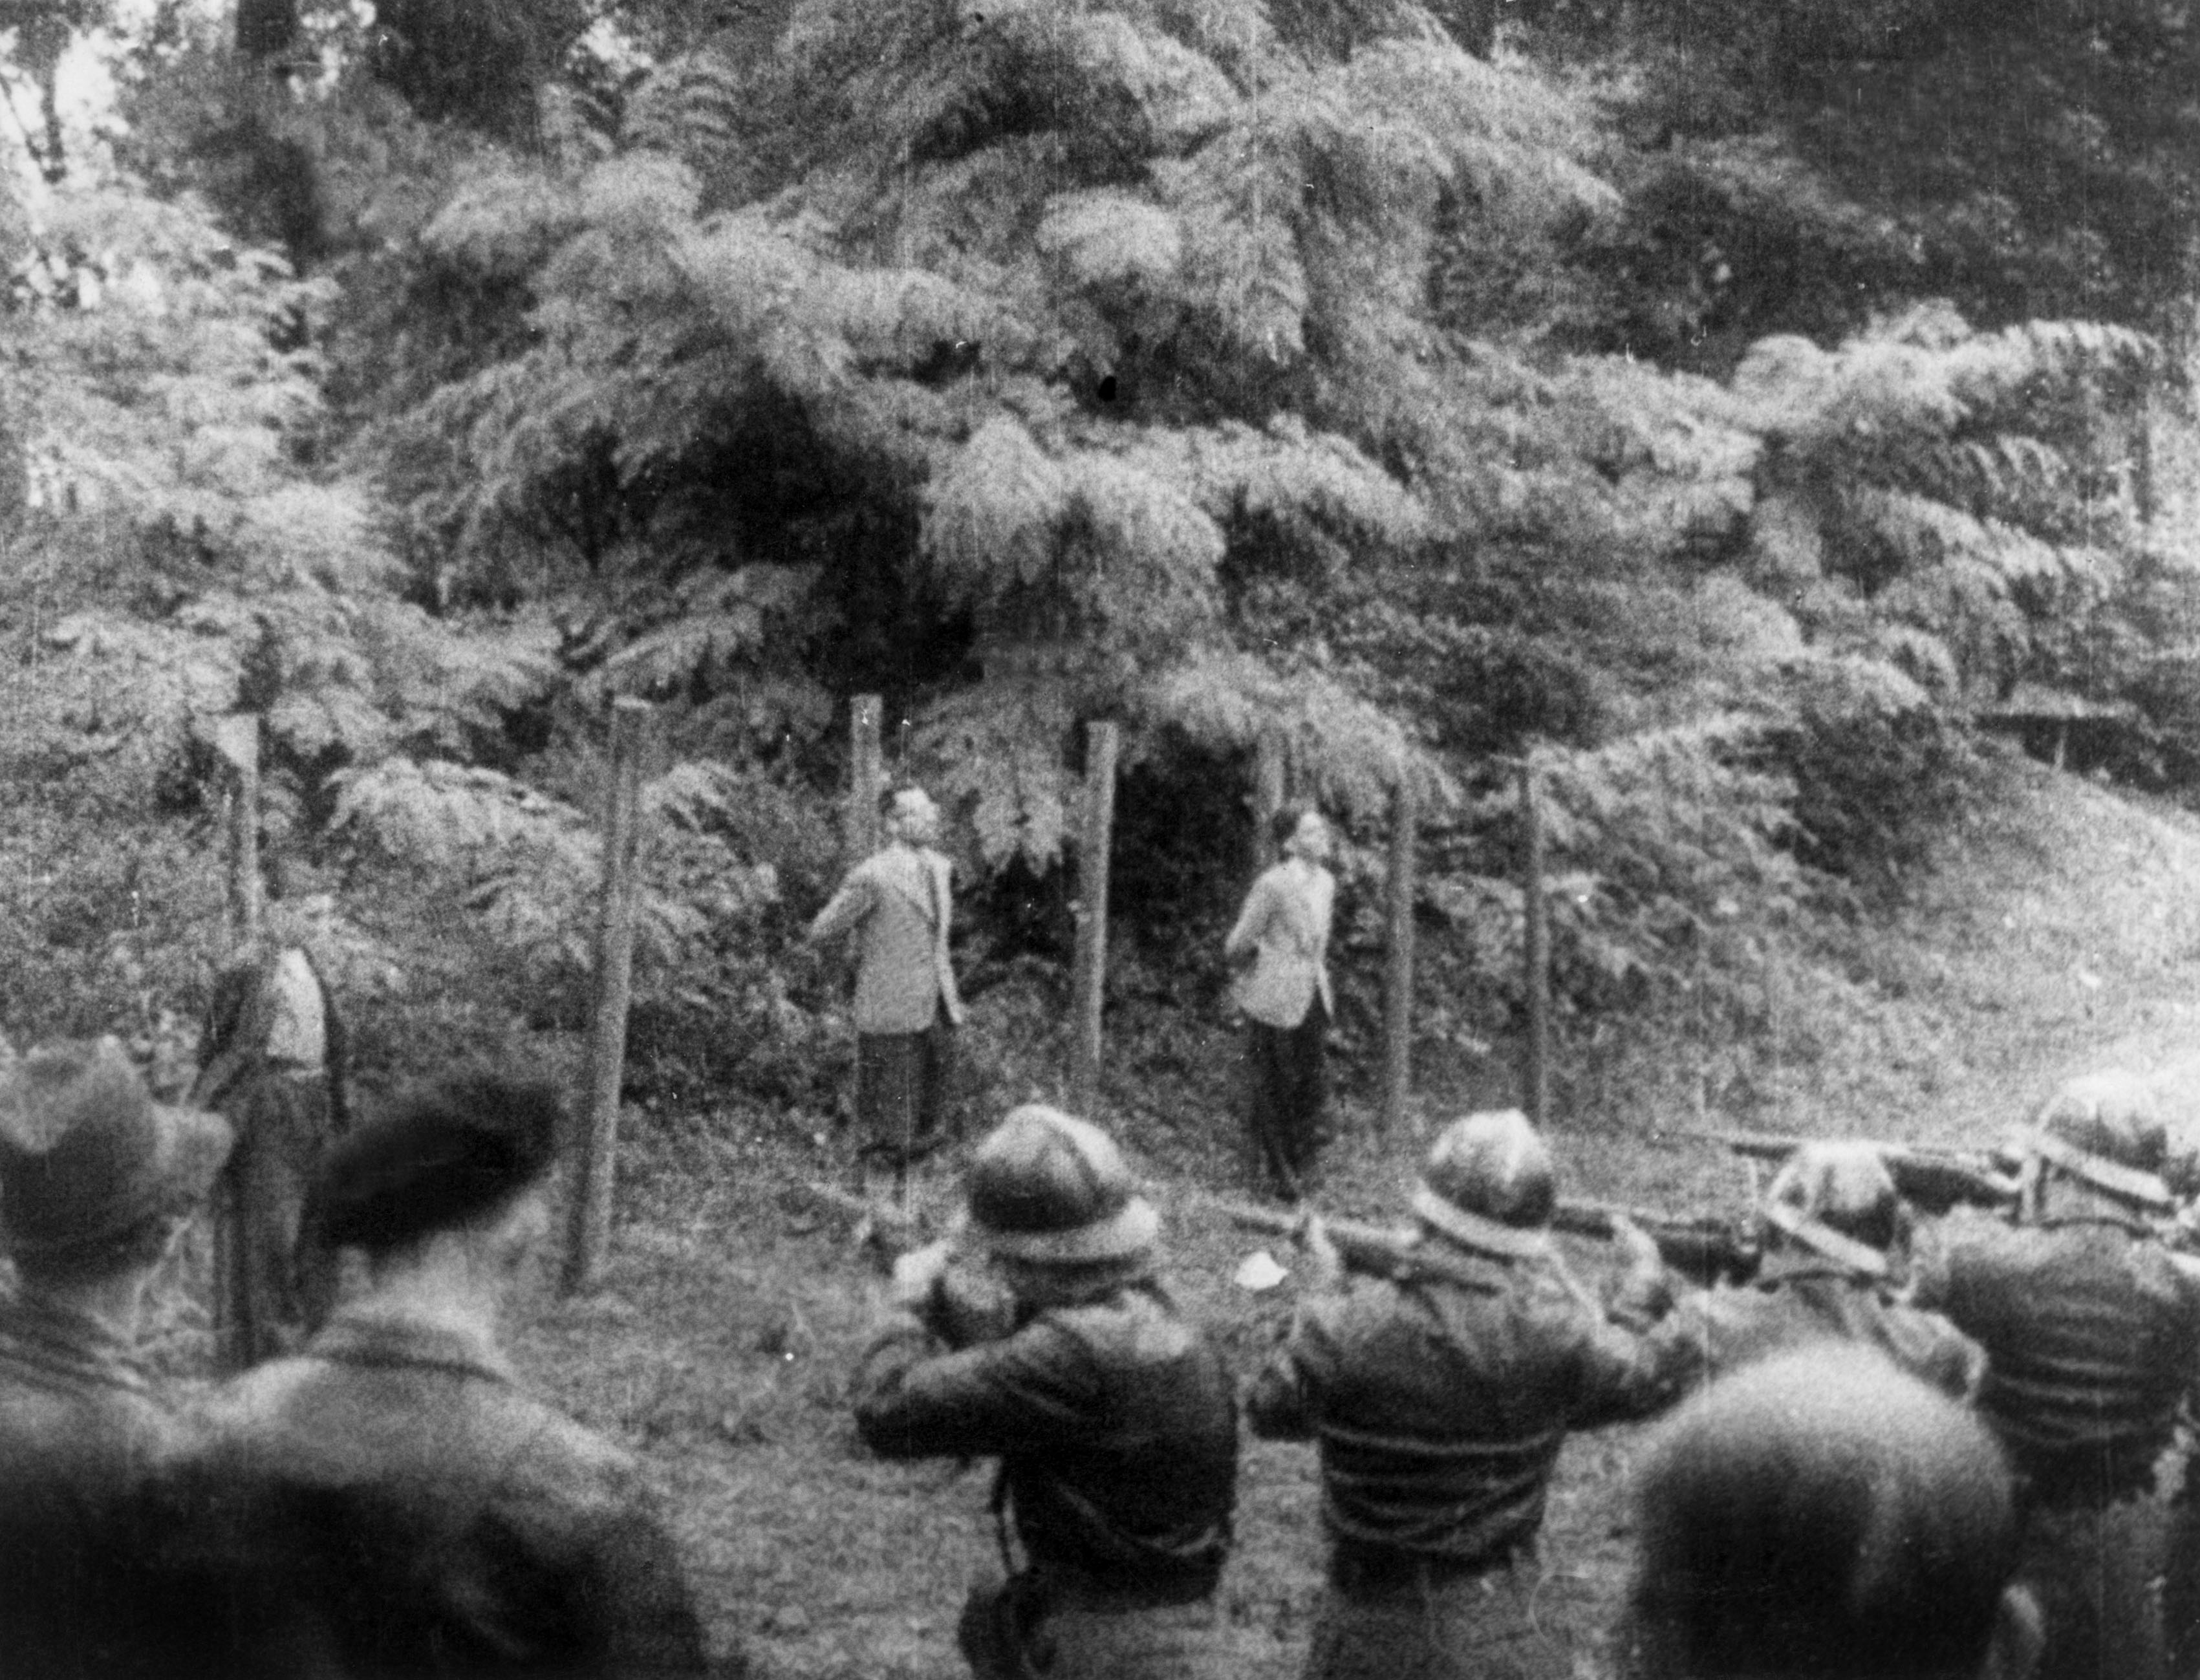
(1834, 1229)
(1440, 1402)
(1112, 1416)
(2093, 1339)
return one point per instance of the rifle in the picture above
(1702, 1248)
(886, 1235)
(1935, 1180)
(1379, 1251)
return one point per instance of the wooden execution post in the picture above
(237, 739)
(1268, 779)
(590, 1210)
(1537, 965)
(1398, 963)
(867, 778)
(1092, 852)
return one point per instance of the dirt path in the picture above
(2061, 935)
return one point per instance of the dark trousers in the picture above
(277, 1281)
(904, 1091)
(1285, 1089)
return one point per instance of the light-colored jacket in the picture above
(1285, 921)
(899, 902)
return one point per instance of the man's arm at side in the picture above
(845, 909)
(1252, 921)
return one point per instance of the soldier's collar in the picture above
(1476, 1231)
(1860, 1258)
(2112, 1177)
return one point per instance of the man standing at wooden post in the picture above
(271, 1061)
(899, 903)
(1283, 932)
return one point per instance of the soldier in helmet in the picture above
(1833, 1228)
(2092, 1340)
(1112, 1416)
(1440, 1405)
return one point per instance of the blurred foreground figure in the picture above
(96, 1180)
(899, 905)
(1440, 1403)
(1822, 1514)
(2093, 1339)
(397, 1503)
(1833, 1234)
(1112, 1417)
(272, 1060)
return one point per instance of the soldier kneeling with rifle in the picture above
(1112, 1416)
(1833, 1227)
(1440, 1396)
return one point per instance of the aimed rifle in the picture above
(1702, 1248)
(1384, 1251)
(1935, 1179)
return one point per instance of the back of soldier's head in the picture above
(1824, 1514)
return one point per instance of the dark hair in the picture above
(440, 1158)
(891, 793)
(1285, 823)
(1821, 1514)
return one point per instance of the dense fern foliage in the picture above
(1424, 393)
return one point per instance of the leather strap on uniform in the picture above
(1815, 1233)
(2129, 1183)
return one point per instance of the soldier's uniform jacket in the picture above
(1440, 1407)
(1797, 1297)
(2092, 1338)
(84, 1434)
(396, 1505)
(1115, 1424)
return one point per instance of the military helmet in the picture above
(1488, 1184)
(1049, 1187)
(1837, 1199)
(2104, 1132)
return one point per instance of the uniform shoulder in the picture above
(1134, 1326)
(559, 1457)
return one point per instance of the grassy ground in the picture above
(2057, 934)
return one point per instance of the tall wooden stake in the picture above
(590, 1212)
(237, 739)
(1398, 963)
(1268, 789)
(1537, 978)
(866, 779)
(1092, 916)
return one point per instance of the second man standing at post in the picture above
(1283, 933)
(898, 901)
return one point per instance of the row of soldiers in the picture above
(1927, 1451)
(1957, 1479)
